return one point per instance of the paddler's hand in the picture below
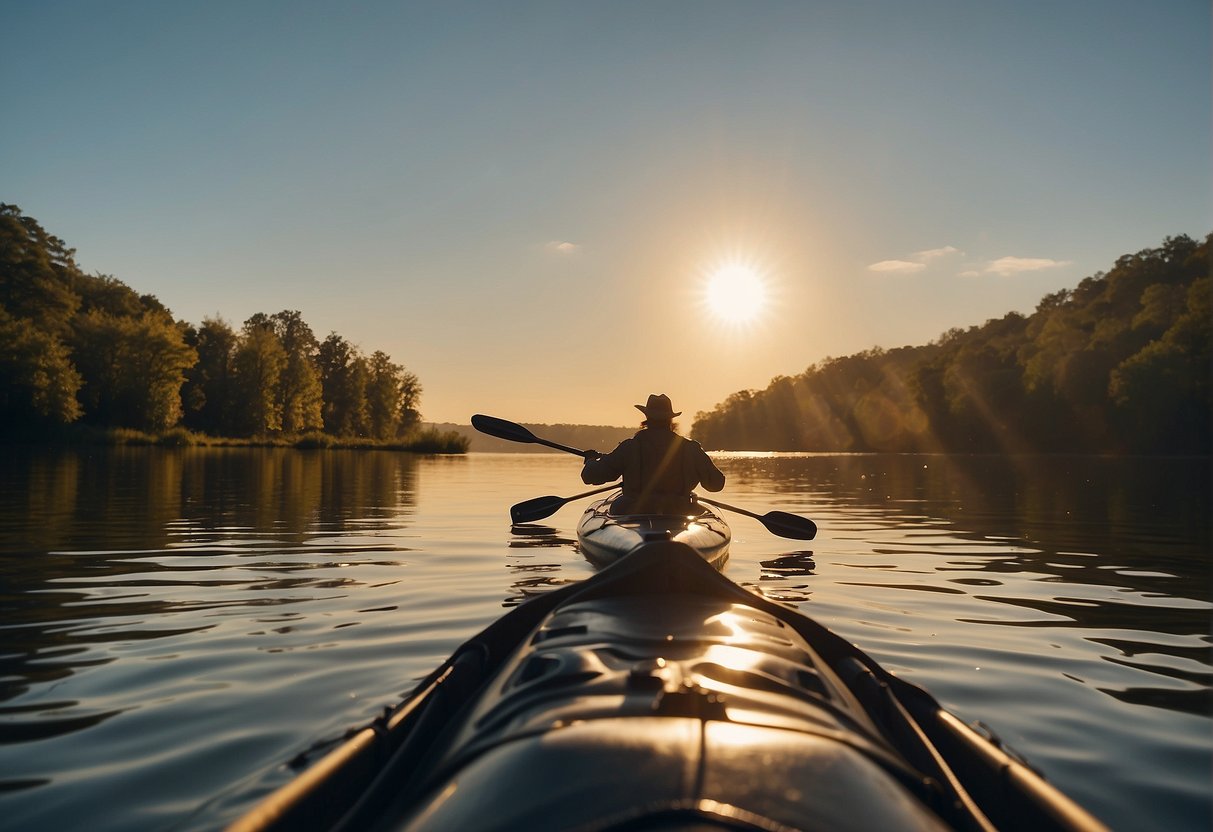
(590, 456)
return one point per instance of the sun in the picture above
(736, 293)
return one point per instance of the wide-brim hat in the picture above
(658, 407)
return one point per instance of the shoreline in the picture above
(427, 441)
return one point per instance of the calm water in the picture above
(176, 624)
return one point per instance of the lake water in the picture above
(175, 625)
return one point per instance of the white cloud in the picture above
(1003, 266)
(917, 262)
(1006, 266)
(932, 253)
(562, 247)
(897, 267)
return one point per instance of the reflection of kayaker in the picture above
(660, 469)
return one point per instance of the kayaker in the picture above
(660, 469)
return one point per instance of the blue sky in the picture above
(522, 202)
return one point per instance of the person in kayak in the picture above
(659, 467)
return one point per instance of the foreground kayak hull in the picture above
(657, 694)
(604, 537)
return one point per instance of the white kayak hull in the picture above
(604, 538)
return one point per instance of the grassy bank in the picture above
(427, 441)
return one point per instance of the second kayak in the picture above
(604, 537)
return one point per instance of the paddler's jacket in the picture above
(659, 470)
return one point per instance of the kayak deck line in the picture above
(660, 694)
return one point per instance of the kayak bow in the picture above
(658, 694)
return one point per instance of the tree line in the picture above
(89, 349)
(1119, 364)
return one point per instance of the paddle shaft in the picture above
(781, 523)
(719, 504)
(610, 487)
(559, 447)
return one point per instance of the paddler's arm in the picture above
(599, 469)
(709, 475)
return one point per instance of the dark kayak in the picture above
(604, 537)
(659, 695)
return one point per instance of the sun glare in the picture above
(736, 293)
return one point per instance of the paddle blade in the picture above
(789, 525)
(777, 522)
(528, 511)
(502, 429)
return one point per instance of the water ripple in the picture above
(176, 626)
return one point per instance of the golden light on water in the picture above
(736, 293)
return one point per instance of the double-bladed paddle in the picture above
(779, 523)
(528, 511)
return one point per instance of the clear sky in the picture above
(524, 202)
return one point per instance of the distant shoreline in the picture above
(596, 437)
(426, 441)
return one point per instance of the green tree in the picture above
(210, 384)
(97, 350)
(133, 368)
(159, 359)
(257, 371)
(38, 382)
(1163, 391)
(344, 375)
(300, 395)
(102, 293)
(359, 417)
(37, 272)
(383, 394)
(410, 403)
